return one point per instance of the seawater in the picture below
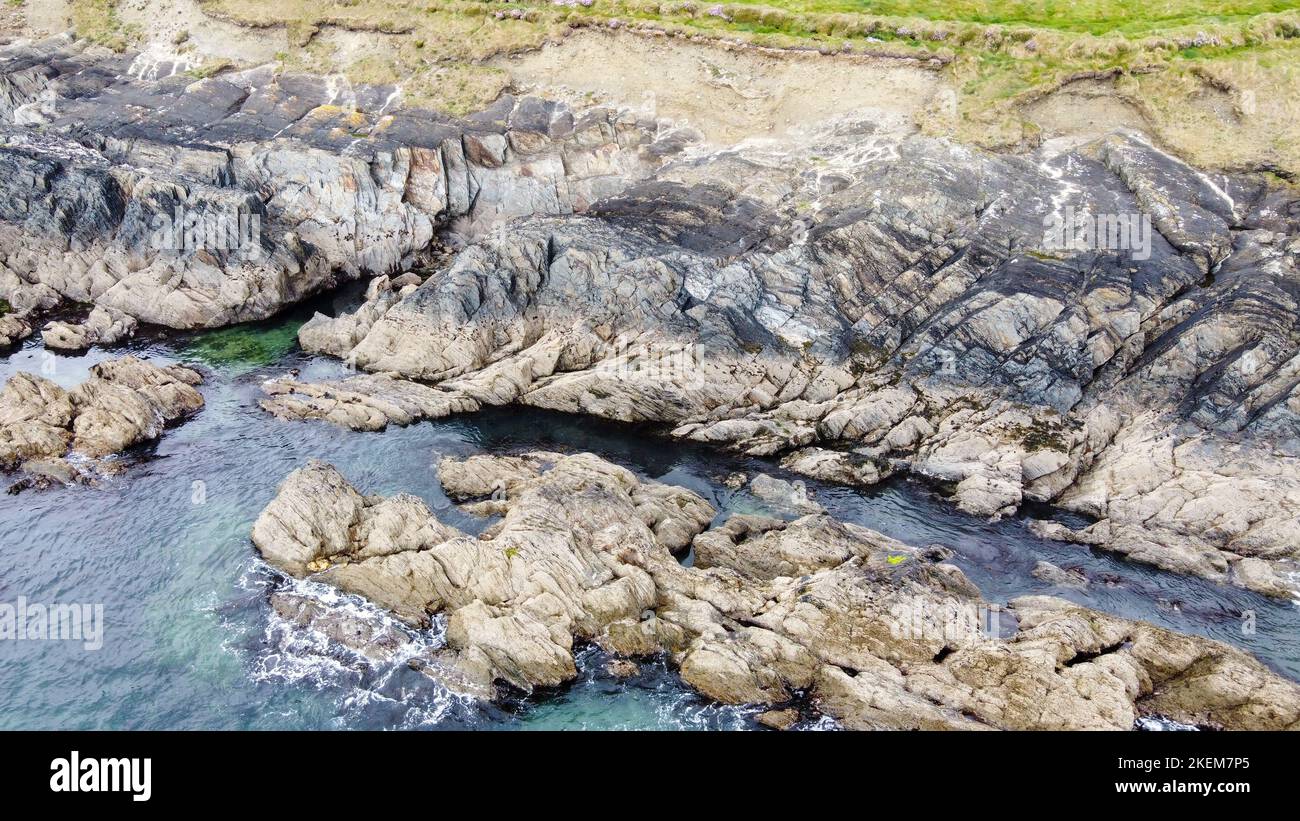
(190, 640)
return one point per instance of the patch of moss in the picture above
(1041, 435)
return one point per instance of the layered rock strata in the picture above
(199, 203)
(880, 634)
(900, 307)
(57, 435)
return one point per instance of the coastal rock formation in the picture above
(13, 328)
(61, 435)
(855, 299)
(880, 633)
(104, 326)
(198, 203)
(902, 307)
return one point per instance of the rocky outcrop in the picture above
(54, 434)
(13, 328)
(563, 564)
(856, 301)
(104, 326)
(197, 203)
(366, 402)
(880, 634)
(861, 304)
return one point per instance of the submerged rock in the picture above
(1060, 577)
(778, 719)
(880, 634)
(858, 301)
(13, 328)
(104, 326)
(59, 434)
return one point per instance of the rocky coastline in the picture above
(853, 301)
(876, 633)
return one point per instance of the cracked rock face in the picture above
(878, 632)
(199, 204)
(857, 300)
(53, 434)
(913, 317)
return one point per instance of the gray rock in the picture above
(104, 326)
(199, 204)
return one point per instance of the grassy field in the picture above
(1165, 58)
(1091, 16)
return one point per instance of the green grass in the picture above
(97, 20)
(1090, 16)
(1000, 55)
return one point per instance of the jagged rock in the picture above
(25, 298)
(622, 668)
(1059, 577)
(458, 673)
(735, 480)
(783, 497)
(197, 204)
(317, 515)
(339, 335)
(124, 402)
(779, 719)
(764, 548)
(912, 312)
(364, 402)
(127, 401)
(1094, 534)
(104, 326)
(13, 328)
(844, 467)
(1194, 504)
(881, 634)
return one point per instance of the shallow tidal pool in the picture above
(190, 640)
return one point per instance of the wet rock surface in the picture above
(876, 633)
(910, 320)
(59, 435)
(857, 301)
(104, 326)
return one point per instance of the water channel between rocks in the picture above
(190, 639)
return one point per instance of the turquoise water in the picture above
(190, 640)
